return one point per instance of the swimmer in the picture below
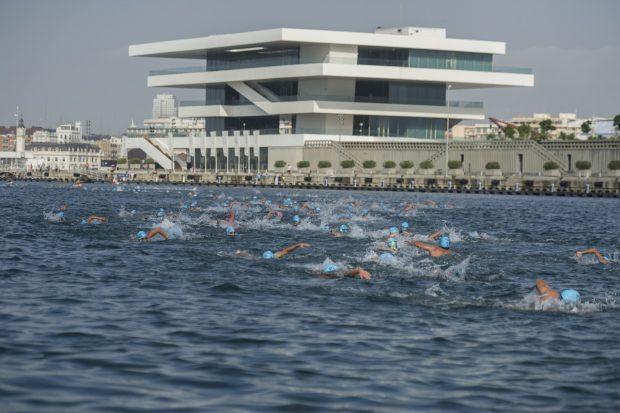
(602, 259)
(331, 271)
(54, 216)
(296, 220)
(393, 232)
(545, 293)
(391, 247)
(268, 255)
(230, 229)
(144, 236)
(95, 219)
(434, 250)
(403, 230)
(273, 214)
(340, 231)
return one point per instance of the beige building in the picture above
(64, 156)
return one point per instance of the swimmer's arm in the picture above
(358, 272)
(423, 245)
(594, 251)
(435, 235)
(231, 218)
(290, 248)
(156, 231)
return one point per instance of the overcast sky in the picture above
(67, 60)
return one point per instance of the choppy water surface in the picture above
(92, 320)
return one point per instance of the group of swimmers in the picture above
(277, 211)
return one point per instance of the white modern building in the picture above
(69, 133)
(165, 106)
(280, 88)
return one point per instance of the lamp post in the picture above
(447, 128)
(361, 126)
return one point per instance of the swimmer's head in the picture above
(344, 228)
(326, 228)
(268, 255)
(329, 269)
(607, 257)
(317, 210)
(141, 235)
(393, 230)
(296, 208)
(230, 231)
(83, 222)
(392, 244)
(296, 219)
(444, 242)
(60, 214)
(570, 296)
(386, 256)
(404, 225)
(365, 212)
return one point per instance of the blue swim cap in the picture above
(570, 296)
(317, 209)
(365, 212)
(386, 256)
(133, 211)
(607, 257)
(344, 228)
(329, 268)
(295, 208)
(404, 225)
(268, 255)
(141, 235)
(83, 222)
(350, 208)
(444, 242)
(296, 218)
(161, 210)
(230, 231)
(60, 214)
(393, 230)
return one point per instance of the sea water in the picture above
(93, 320)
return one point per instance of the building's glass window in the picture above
(224, 95)
(405, 93)
(428, 59)
(228, 60)
(281, 88)
(421, 128)
(382, 56)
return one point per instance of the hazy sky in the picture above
(66, 60)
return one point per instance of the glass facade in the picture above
(253, 58)
(428, 59)
(224, 95)
(266, 124)
(281, 88)
(421, 128)
(405, 93)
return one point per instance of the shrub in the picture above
(369, 164)
(455, 164)
(325, 164)
(389, 164)
(135, 161)
(149, 161)
(303, 164)
(550, 165)
(279, 164)
(121, 160)
(492, 165)
(582, 165)
(406, 164)
(347, 164)
(614, 165)
(428, 164)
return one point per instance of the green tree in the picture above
(149, 161)
(524, 131)
(325, 164)
(550, 165)
(303, 164)
(585, 127)
(617, 122)
(546, 126)
(406, 164)
(614, 165)
(428, 164)
(347, 164)
(510, 132)
(369, 164)
(389, 164)
(121, 161)
(279, 164)
(583, 165)
(492, 165)
(455, 164)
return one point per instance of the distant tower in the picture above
(165, 106)
(86, 132)
(20, 136)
